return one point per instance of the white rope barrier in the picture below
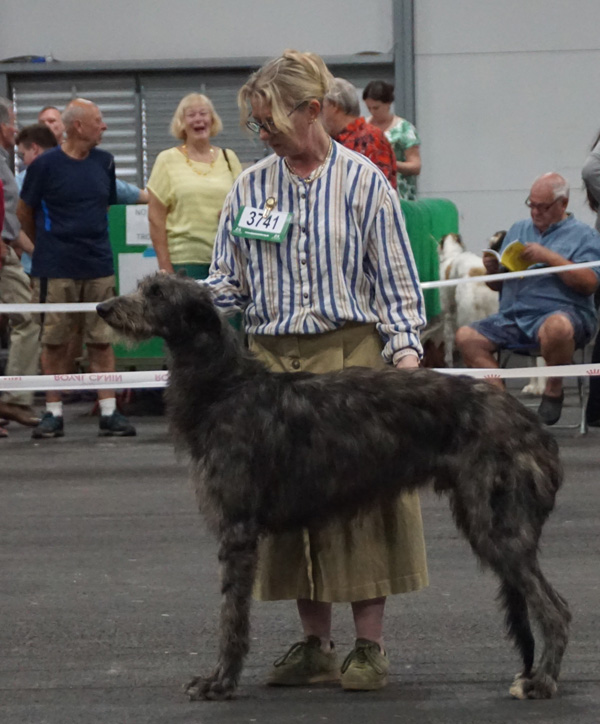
(91, 306)
(511, 275)
(47, 308)
(93, 381)
(160, 378)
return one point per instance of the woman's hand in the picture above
(409, 361)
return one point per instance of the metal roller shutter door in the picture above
(115, 95)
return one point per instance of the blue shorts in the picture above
(522, 333)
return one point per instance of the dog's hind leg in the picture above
(238, 556)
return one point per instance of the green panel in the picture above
(427, 221)
(443, 217)
(152, 349)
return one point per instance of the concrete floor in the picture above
(109, 600)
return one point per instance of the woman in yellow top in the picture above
(188, 186)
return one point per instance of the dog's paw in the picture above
(210, 688)
(538, 687)
(535, 387)
(517, 688)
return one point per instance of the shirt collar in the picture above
(570, 218)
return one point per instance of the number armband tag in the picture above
(251, 223)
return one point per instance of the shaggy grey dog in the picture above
(273, 451)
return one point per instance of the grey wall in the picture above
(505, 91)
(144, 30)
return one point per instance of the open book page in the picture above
(511, 256)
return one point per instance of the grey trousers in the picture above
(24, 352)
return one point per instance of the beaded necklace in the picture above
(188, 160)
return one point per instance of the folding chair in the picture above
(579, 357)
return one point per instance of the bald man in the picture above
(126, 193)
(63, 205)
(555, 312)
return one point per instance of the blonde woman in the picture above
(339, 288)
(187, 188)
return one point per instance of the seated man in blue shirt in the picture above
(554, 312)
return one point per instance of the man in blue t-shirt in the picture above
(127, 193)
(63, 206)
(553, 312)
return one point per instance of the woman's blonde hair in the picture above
(284, 83)
(177, 128)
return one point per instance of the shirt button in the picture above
(303, 229)
(305, 295)
(303, 262)
(296, 364)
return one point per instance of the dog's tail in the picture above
(518, 627)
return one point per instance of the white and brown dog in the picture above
(463, 304)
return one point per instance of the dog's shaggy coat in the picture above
(272, 451)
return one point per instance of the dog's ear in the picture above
(201, 315)
(155, 290)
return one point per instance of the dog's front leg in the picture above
(238, 555)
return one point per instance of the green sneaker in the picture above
(305, 663)
(365, 668)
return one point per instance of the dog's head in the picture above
(495, 240)
(173, 307)
(449, 247)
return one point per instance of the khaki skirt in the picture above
(376, 554)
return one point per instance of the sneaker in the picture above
(49, 426)
(116, 424)
(305, 663)
(365, 668)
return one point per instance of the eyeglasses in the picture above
(268, 125)
(541, 207)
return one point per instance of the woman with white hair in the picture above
(187, 188)
(342, 120)
(312, 248)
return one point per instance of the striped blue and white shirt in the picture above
(346, 256)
